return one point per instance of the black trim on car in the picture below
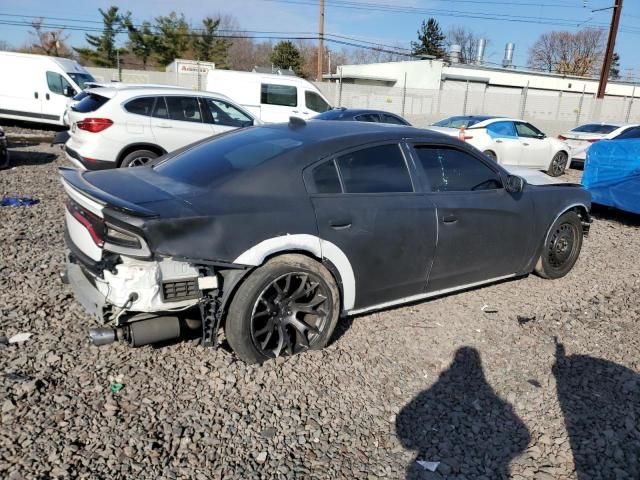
(88, 164)
(21, 113)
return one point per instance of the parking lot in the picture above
(531, 378)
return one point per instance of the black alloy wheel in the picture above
(562, 247)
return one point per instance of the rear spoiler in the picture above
(75, 179)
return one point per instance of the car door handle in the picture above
(525, 144)
(295, 111)
(339, 224)
(163, 125)
(449, 219)
(498, 141)
(46, 95)
(35, 94)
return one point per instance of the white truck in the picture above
(270, 97)
(36, 88)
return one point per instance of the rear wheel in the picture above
(562, 247)
(491, 155)
(138, 158)
(287, 306)
(558, 164)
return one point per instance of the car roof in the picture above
(110, 92)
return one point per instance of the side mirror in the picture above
(541, 136)
(69, 91)
(514, 184)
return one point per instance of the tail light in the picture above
(593, 140)
(94, 125)
(561, 137)
(94, 224)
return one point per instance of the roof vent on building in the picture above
(454, 53)
(482, 45)
(507, 61)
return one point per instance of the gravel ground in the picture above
(541, 384)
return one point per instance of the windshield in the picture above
(595, 128)
(81, 78)
(217, 160)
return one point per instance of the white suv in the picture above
(126, 127)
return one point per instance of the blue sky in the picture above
(389, 27)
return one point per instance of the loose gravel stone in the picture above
(545, 387)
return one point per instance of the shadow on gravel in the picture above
(22, 159)
(602, 212)
(462, 423)
(600, 401)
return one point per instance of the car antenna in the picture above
(296, 122)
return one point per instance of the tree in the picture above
(172, 38)
(142, 41)
(104, 49)
(286, 55)
(467, 40)
(210, 47)
(614, 72)
(49, 42)
(569, 53)
(431, 40)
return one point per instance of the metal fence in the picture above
(551, 111)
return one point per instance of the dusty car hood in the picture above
(533, 177)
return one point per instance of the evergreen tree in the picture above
(103, 52)
(286, 55)
(614, 71)
(142, 41)
(209, 47)
(430, 40)
(172, 38)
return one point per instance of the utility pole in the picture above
(320, 43)
(611, 43)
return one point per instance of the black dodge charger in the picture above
(273, 232)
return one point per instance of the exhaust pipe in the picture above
(102, 336)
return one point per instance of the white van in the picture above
(271, 98)
(36, 88)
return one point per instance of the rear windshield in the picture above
(595, 128)
(215, 161)
(457, 122)
(90, 103)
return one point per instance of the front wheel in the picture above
(561, 248)
(287, 306)
(558, 164)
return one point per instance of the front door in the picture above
(54, 102)
(484, 232)
(371, 212)
(536, 150)
(222, 116)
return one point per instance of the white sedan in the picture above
(509, 141)
(581, 137)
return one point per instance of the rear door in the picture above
(536, 149)
(484, 232)
(366, 204)
(178, 120)
(505, 142)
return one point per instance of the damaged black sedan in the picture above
(273, 232)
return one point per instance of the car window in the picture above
(633, 132)
(501, 129)
(325, 178)
(451, 170)
(57, 83)
(185, 109)
(368, 117)
(223, 113)
(386, 118)
(284, 95)
(595, 128)
(375, 170)
(315, 102)
(140, 106)
(527, 130)
(160, 109)
(90, 103)
(225, 156)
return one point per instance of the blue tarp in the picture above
(612, 174)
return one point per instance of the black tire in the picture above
(558, 164)
(491, 155)
(138, 158)
(561, 248)
(264, 320)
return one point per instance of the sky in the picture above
(393, 22)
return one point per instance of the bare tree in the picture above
(52, 42)
(468, 41)
(569, 53)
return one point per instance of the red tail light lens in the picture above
(562, 137)
(94, 224)
(593, 140)
(94, 125)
